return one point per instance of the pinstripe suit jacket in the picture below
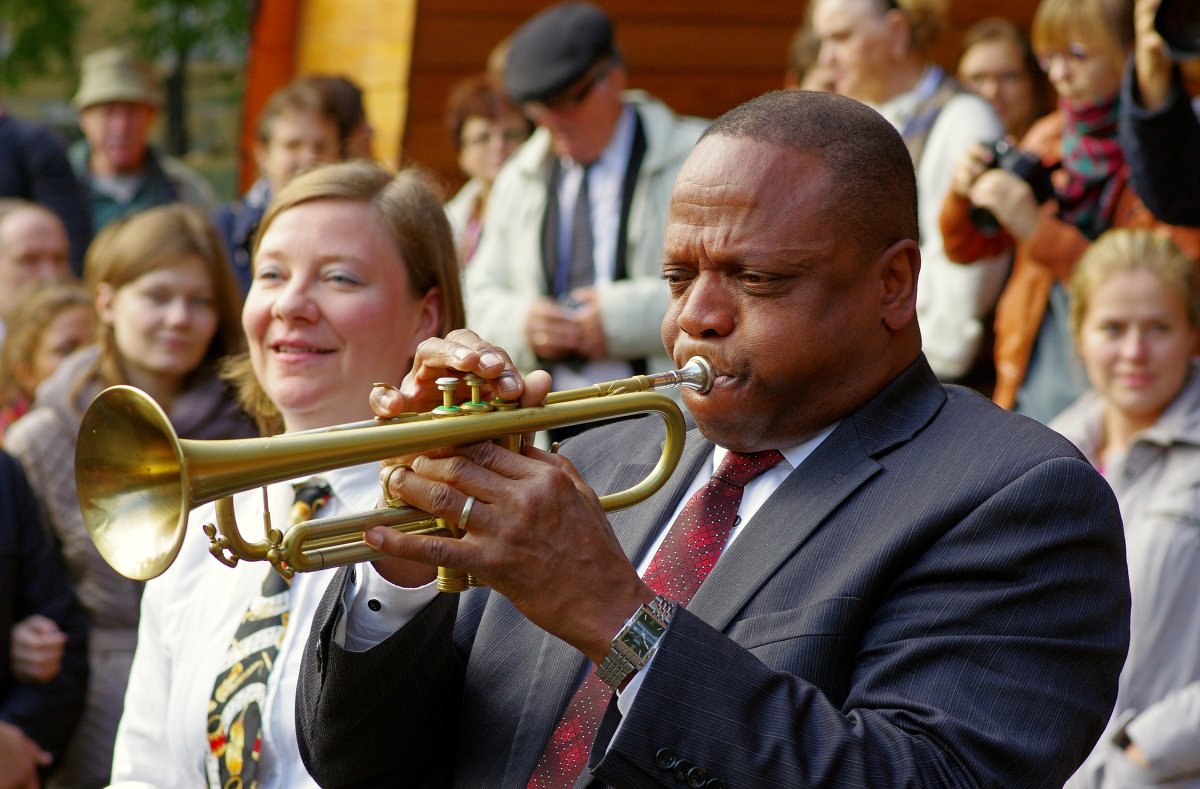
(937, 596)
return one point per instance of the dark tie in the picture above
(235, 708)
(581, 270)
(686, 557)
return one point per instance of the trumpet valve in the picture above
(451, 580)
(476, 405)
(447, 386)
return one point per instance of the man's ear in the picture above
(899, 34)
(899, 266)
(618, 78)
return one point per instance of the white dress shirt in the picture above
(189, 615)
(606, 179)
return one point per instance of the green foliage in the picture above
(36, 37)
(184, 28)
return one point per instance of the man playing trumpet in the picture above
(857, 577)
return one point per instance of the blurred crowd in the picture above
(1058, 173)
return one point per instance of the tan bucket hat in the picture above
(114, 75)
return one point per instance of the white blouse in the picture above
(189, 615)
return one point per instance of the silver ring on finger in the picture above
(466, 514)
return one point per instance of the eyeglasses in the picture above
(503, 136)
(1074, 55)
(573, 95)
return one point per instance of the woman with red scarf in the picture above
(1082, 45)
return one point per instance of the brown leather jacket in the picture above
(1049, 254)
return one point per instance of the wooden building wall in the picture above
(700, 56)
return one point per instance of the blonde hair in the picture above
(1122, 251)
(34, 312)
(410, 209)
(1108, 23)
(157, 238)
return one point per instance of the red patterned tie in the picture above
(685, 558)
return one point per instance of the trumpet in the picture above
(137, 480)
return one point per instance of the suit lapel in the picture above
(811, 493)
(805, 499)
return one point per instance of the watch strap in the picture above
(636, 642)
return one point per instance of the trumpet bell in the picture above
(132, 480)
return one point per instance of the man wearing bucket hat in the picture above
(118, 100)
(567, 272)
(1159, 128)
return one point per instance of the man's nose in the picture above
(708, 308)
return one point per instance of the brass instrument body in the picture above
(137, 481)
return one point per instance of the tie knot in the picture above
(740, 468)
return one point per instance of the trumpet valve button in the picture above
(476, 405)
(447, 386)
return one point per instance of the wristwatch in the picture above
(633, 647)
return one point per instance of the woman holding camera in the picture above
(1082, 45)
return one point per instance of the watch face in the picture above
(644, 633)
(636, 641)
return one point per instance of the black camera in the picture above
(1178, 22)
(1026, 166)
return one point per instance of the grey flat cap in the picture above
(555, 48)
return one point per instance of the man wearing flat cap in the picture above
(118, 101)
(567, 272)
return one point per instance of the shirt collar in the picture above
(794, 455)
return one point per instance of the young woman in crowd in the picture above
(1134, 317)
(167, 310)
(353, 268)
(998, 63)
(485, 128)
(45, 327)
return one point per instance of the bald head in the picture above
(873, 189)
(33, 248)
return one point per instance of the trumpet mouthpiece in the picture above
(697, 374)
